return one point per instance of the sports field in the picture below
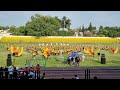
(104, 44)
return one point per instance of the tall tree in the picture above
(68, 23)
(64, 22)
(80, 29)
(90, 28)
(83, 30)
(100, 28)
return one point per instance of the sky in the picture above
(78, 18)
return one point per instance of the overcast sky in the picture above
(78, 18)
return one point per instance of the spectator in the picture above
(21, 73)
(6, 72)
(38, 70)
(15, 73)
(10, 69)
(26, 70)
(76, 77)
(32, 68)
(32, 73)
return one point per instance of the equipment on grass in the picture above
(35, 61)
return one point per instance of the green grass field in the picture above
(111, 59)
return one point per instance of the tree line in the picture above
(40, 25)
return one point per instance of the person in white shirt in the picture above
(32, 74)
(21, 73)
(10, 69)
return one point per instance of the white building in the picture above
(76, 34)
(5, 32)
(81, 34)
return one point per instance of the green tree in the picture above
(13, 30)
(64, 22)
(83, 30)
(2, 28)
(59, 20)
(46, 25)
(21, 30)
(100, 28)
(104, 32)
(80, 29)
(68, 23)
(90, 28)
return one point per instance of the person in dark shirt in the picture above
(72, 61)
(15, 73)
(77, 60)
(6, 72)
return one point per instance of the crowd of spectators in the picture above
(12, 72)
(33, 72)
